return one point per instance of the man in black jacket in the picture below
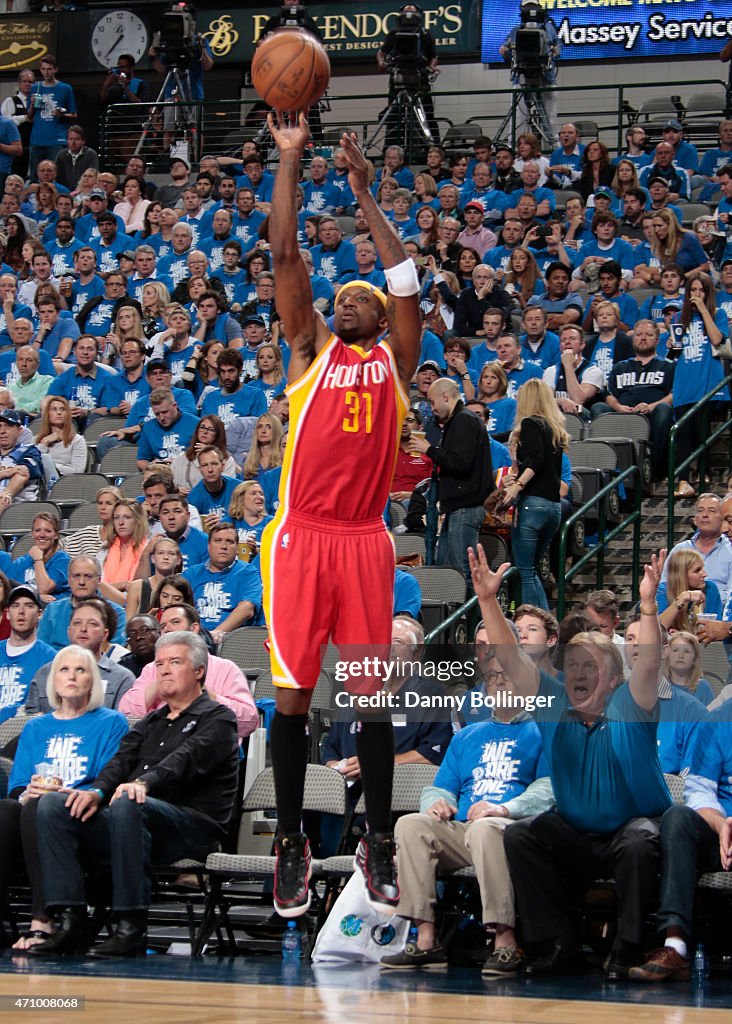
(167, 793)
(483, 294)
(465, 473)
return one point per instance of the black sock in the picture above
(375, 750)
(288, 740)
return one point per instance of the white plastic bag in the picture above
(355, 933)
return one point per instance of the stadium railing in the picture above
(704, 405)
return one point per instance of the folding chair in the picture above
(325, 791)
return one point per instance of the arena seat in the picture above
(18, 518)
(75, 489)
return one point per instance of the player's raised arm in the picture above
(306, 332)
(402, 310)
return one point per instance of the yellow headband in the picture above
(368, 287)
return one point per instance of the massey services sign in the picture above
(350, 31)
(620, 29)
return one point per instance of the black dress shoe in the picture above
(619, 961)
(616, 970)
(69, 939)
(559, 958)
(129, 939)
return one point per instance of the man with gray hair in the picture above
(30, 387)
(168, 793)
(465, 472)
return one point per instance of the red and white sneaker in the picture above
(375, 859)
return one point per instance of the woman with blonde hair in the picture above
(523, 275)
(271, 377)
(75, 692)
(46, 566)
(88, 540)
(682, 666)
(686, 592)
(670, 243)
(57, 437)
(249, 516)
(538, 439)
(493, 393)
(125, 538)
(265, 451)
(165, 560)
(155, 299)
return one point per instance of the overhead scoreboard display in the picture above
(619, 29)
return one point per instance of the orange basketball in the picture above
(290, 69)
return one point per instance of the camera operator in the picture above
(120, 88)
(180, 47)
(533, 56)
(420, 56)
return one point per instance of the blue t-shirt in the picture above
(247, 401)
(216, 594)
(64, 328)
(479, 355)
(19, 310)
(54, 625)
(605, 774)
(81, 293)
(712, 599)
(9, 373)
(620, 250)
(246, 229)
(336, 264)
(98, 320)
(697, 371)
(57, 569)
(16, 674)
(502, 415)
(712, 755)
(546, 355)
(174, 266)
(322, 198)
(141, 412)
(165, 443)
(87, 229)
(270, 484)
(193, 547)
(90, 393)
(251, 534)
(627, 308)
(78, 748)
(47, 129)
(8, 134)
(678, 729)
(407, 594)
(519, 376)
(202, 499)
(492, 761)
(62, 256)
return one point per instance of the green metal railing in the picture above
(604, 537)
(511, 578)
(704, 405)
(220, 126)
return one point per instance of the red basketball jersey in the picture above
(346, 414)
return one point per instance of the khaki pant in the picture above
(426, 845)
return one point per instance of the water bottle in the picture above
(700, 966)
(291, 943)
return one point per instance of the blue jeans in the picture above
(459, 532)
(538, 521)
(106, 444)
(131, 837)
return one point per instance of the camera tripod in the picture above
(527, 113)
(178, 115)
(404, 123)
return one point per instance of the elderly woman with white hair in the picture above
(63, 750)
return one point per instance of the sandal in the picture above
(31, 938)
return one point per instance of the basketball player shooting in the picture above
(327, 559)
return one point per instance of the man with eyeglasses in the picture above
(84, 581)
(493, 774)
(446, 250)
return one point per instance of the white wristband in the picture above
(402, 279)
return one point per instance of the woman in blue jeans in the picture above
(538, 439)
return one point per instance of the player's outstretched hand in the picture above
(486, 583)
(289, 137)
(358, 168)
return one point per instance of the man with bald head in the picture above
(465, 472)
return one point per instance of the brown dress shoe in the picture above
(662, 965)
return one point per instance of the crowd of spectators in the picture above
(153, 306)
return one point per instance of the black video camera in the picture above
(178, 36)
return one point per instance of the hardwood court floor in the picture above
(258, 991)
